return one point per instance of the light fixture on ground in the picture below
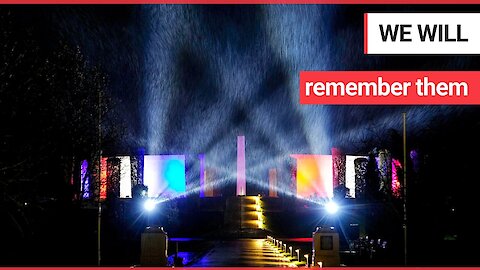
(291, 251)
(149, 205)
(331, 207)
(298, 254)
(306, 257)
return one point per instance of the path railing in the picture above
(289, 252)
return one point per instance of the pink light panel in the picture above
(241, 174)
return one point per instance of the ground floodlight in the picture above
(331, 207)
(149, 205)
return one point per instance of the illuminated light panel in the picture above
(396, 187)
(272, 183)
(84, 180)
(210, 188)
(113, 177)
(136, 165)
(202, 175)
(314, 176)
(384, 161)
(103, 178)
(125, 177)
(338, 172)
(241, 174)
(350, 174)
(141, 162)
(164, 175)
(293, 175)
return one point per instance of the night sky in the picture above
(190, 78)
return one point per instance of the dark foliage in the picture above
(51, 105)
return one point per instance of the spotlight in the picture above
(331, 207)
(149, 205)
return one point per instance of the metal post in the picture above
(99, 171)
(405, 186)
(99, 222)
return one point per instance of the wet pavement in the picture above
(243, 252)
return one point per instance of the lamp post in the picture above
(285, 248)
(291, 251)
(298, 254)
(306, 257)
(405, 187)
(99, 160)
(280, 245)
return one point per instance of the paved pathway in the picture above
(245, 253)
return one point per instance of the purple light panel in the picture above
(84, 180)
(202, 175)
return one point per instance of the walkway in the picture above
(245, 253)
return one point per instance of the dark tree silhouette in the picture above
(50, 105)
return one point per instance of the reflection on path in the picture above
(245, 253)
